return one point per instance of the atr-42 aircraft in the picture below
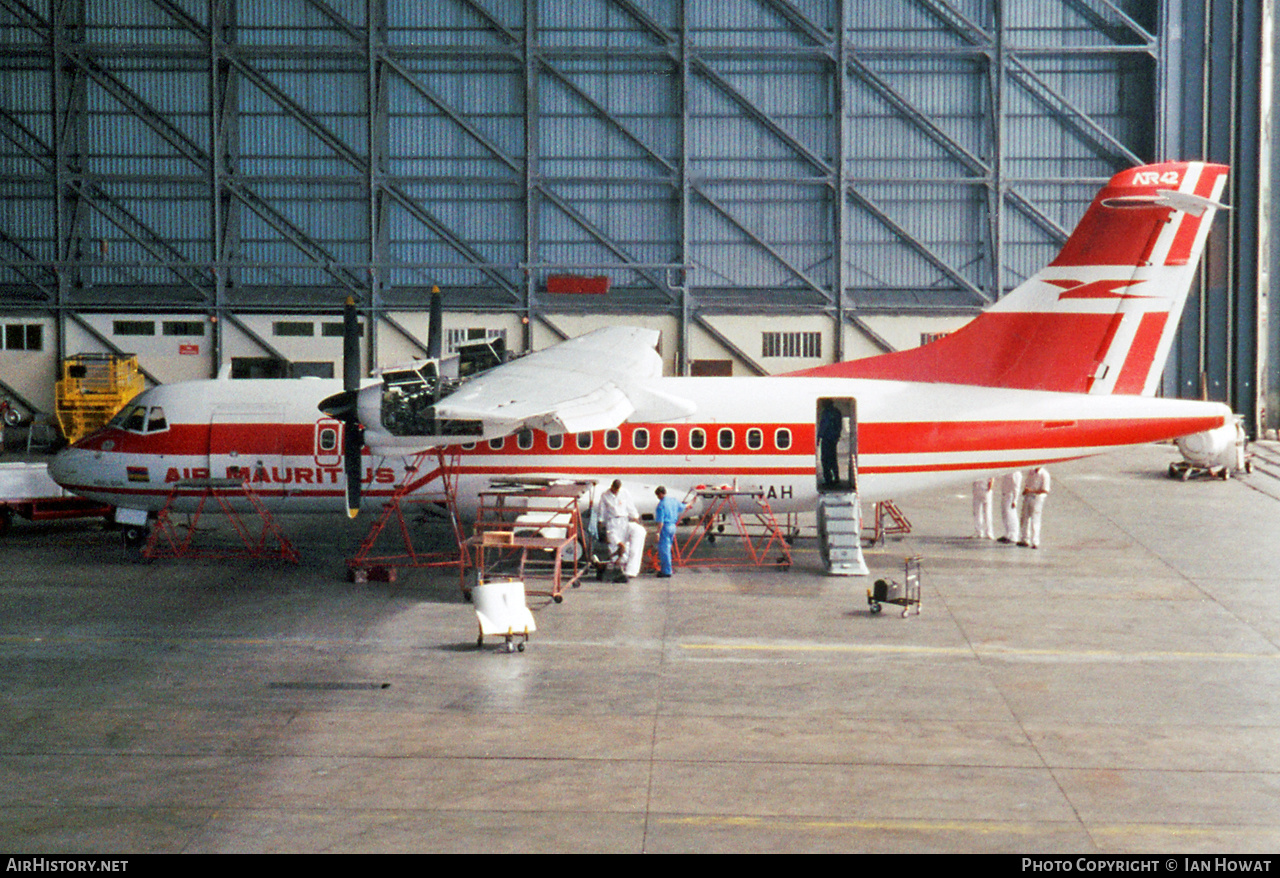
(1064, 366)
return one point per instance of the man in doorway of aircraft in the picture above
(1034, 492)
(983, 526)
(830, 426)
(666, 515)
(1010, 486)
(623, 532)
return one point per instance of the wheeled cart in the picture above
(502, 612)
(905, 594)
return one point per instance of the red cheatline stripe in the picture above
(928, 437)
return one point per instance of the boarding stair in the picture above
(840, 533)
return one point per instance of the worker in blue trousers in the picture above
(666, 515)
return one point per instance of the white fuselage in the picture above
(746, 432)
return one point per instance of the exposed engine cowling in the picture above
(403, 404)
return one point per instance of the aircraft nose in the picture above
(66, 465)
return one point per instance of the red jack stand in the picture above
(736, 508)
(166, 542)
(368, 567)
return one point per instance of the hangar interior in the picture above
(773, 184)
(204, 183)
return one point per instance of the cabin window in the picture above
(669, 438)
(755, 438)
(524, 440)
(556, 442)
(782, 439)
(496, 444)
(584, 441)
(469, 446)
(612, 440)
(725, 438)
(640, 438)
(328, 439)
(697, 438)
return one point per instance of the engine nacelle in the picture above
(1220, 447)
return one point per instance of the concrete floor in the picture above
(1115, 691)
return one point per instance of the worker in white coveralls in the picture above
(1010, 487)
(1035, 490)
(984, 527)
(623, 532)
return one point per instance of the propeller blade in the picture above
(350, 346)
(344, 405)
(353, 445)
(435, 324)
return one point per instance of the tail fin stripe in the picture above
(1133, 376)
(1184, 241)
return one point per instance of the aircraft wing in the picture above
(592, 382)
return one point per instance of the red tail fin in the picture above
(1101, 317)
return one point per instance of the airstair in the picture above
(840, 533)
(836, 466)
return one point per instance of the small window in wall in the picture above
(328, 439)
(496, 444)
(584, 441)
(755, 438)
(456, 337)
(711, 368)
(669, 438)
(556, 442)
(697, 438)
(612, 440)
(23, 337)
(791, 344)
(640, 438)
(318, 369)
(524, 440)
(293, 328)
(782, 439)
(258, 367)
(725, 438)
(133, 327)
(182, 327)
(330, 329)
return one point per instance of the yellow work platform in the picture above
(93, 388)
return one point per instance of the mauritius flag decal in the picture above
(138, 474)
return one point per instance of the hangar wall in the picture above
(773, 183)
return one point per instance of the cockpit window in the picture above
(134, 419)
